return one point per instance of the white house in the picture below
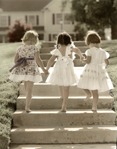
(48, 17)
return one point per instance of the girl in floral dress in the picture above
(63, 73)
(26, 65)
(94, 77)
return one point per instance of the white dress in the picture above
(30, 72)
(63, 73)
(94, 75)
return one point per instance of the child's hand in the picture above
(46, 71)
(81, 58)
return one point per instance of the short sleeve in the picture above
(55, 52)
(88, 52)
(72, 45)
(107, 55)
(18, 50)
(36, 49)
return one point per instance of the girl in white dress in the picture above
(94, 76)
(26, 68)
(63, 73)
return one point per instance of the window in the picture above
(41, 36)
(62, 18)
(3, 21)
(58, 18)
(54, 37)
(31, 20)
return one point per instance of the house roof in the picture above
(23, 5)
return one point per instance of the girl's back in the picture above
(27, 50)
(98, 55)
(65, 51)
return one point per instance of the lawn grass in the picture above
(10, 90)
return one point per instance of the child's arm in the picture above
(87, 60)
(77, 51)
(106, 62)
(16, 58)
(50, 62)
(39, 62)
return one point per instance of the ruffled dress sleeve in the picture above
(88, 52)
(55, 52)
(107, 55)
(36, 49)
(69, 50)
(72, 45)
(18, 50)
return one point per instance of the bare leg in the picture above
(66, 95)
(95, 100)
(29, 88)
(25, 85)
(61, 91)
(88, 94)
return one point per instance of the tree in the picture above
(96, 14)
(16, 32)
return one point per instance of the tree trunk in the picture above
(114, 31)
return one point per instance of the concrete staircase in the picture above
(47, 128)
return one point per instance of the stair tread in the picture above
(66, 146)
(67, 112)
(58, 97)
(66, 128)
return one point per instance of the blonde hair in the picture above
(30, 35)
(92, 37)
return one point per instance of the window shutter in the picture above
(49, 37)
(9, 20)
(53, 18)
(26, 19)
(37, 20)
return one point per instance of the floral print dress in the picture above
(30, 72)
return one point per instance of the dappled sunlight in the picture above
(30, 147)
(43, 111)
(38, 129)
(13, 130)
(109, 128)
(75, 146)
(19, 112)
(73, 129)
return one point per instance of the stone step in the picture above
(104, 43)
(52, 43)
(48, 49)
(77, 63)
(66, 146)
(62, 135)
(52, 118)
(46, 89)
(49, 102)
(45, 56)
